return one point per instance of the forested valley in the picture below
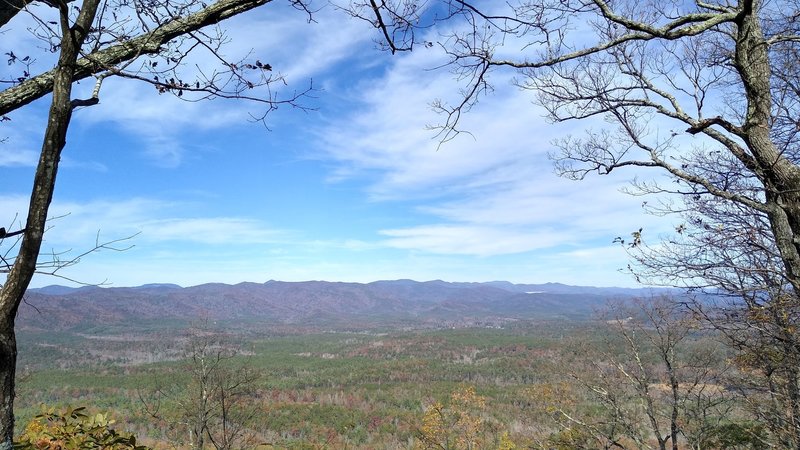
(610, 373)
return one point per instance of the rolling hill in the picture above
(317, 304)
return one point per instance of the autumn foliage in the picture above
(73, 429)
(461, 424)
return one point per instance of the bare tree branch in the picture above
(105, 59)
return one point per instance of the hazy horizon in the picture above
(66, 284)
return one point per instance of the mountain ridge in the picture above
(550, 287)
(319, 303)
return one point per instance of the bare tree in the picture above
(146, 41)
(705, 92)
(726, 255)
(658, 379)
(217, 404)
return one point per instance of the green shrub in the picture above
(73, 429)
(737, 436)
(570, 439)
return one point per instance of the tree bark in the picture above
(780, 176)
(43, 187)
(8, 365)
(9, 9)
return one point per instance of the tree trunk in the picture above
(780, 176)
(792, 396)
(674, 428)
(43, 187)
(8, 364)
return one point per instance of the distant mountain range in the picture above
(318, 303)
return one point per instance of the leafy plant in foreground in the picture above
(74, 429)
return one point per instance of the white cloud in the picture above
(15, 210)
(484, 208)
(296, 47)
(10, 157)
(388, 134)
(76, 224)
(491, 193)
(474, 240)
(160, 122)
(592, 207)
(69, 163)
(20, 137)
(212, 230)
(272, 34)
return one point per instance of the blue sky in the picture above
(355, 189)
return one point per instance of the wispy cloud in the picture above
(15, 211)
(211, 230)
(19, 148)
(294, 45)
(473, 240)
(161, 122)
(489, 192)
(11, 157)
(20, 137)
(484, 206)
(76, 223)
